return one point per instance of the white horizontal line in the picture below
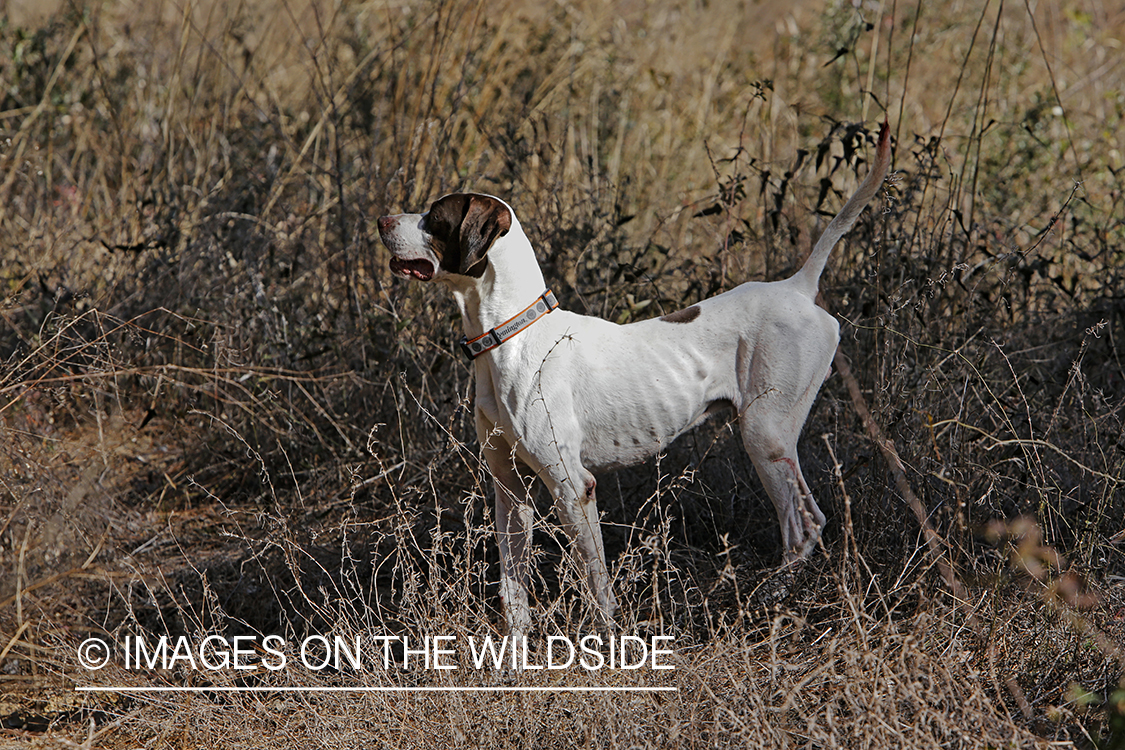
(372, 689)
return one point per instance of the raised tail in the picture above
(809, 275)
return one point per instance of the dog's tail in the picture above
(809, 275)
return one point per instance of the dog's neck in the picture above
(509, 284)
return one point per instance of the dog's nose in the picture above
(385, 223)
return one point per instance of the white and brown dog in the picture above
(568, 396)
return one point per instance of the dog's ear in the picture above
(486, 220)
(463, 227)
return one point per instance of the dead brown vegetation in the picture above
(221, 415)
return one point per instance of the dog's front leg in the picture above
(576, 501)
(515, 517)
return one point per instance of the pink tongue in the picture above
(418, 268)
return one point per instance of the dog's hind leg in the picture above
(779, 381)
(775, 458)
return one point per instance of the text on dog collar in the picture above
(543, 304)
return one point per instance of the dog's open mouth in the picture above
(419, 268)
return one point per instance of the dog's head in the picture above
(452, 238)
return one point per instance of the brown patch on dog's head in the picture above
(686, 315)
(462, 228)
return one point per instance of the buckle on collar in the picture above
(493, 338)
(479, 345)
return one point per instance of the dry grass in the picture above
(221, 415)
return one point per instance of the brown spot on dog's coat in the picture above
(686, 315)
